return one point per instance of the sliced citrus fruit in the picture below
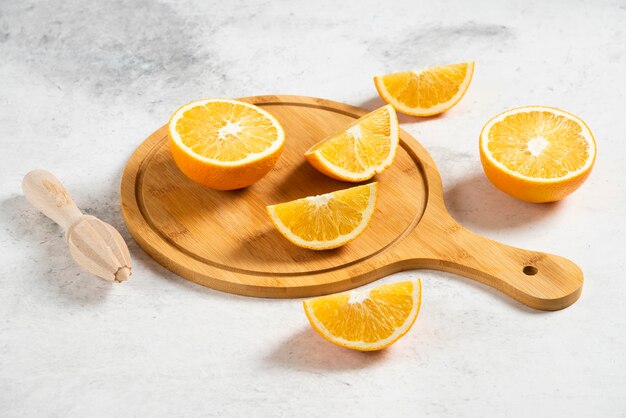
(326, 221)
(537, 153)
(367, 147)
(428, 91)
(369, 319)
(224, 144)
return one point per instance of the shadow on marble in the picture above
(466, 284)
(474, 39)
(146, 262)
(375, 102)
(475, 203)
(51, 264)
(308, 350)
(104, 203)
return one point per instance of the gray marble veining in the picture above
(83, 82)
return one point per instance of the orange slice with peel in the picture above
(224, 144)
(326, 221)
(367, 147)
(366, 319)
(537, 153)
(428, 91)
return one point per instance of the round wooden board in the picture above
(225, 239)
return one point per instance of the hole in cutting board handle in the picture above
(530, 270)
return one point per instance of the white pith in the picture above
(416, 296)
(419, 71)
(537, 145)
(359, 296)
(321, 200)
(340, 240)
(228, 129)
(585, 132)
(355, 132)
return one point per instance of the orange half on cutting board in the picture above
(224, 144)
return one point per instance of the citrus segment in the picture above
(425, 92)
(326, 221)
(369, 319)
(367, 147)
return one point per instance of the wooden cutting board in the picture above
(225, 239)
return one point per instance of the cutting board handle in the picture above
(540, 280)
(44, 191)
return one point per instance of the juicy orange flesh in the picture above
(562, 149)
(427, 88)
(365, 144)
(325, 217)
(225, 131)
(375, 318)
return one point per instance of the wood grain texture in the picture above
(45, 192)
(225, 239)
(95, 245)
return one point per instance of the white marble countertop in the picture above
(83, 82)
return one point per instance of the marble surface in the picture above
(82, 82)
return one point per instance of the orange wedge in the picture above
(367, 147)
(537, 153)
(366, 320)
(224, 144)
(425, 92)
(326, 221)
